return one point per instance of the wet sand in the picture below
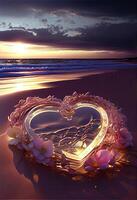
(18, 179)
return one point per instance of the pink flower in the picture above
(101, 159)
(44, 147)
(42, 150)
(124, 139)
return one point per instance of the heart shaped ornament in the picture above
(73, 137)
(66, 132)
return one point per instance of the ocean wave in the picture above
(58, 66)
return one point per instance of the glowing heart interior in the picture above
(70, 137)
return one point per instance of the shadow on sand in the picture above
(53, 185)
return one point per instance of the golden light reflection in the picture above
(20, 87)
(13, 85)
(78, 159)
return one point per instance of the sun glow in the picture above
(19, 48)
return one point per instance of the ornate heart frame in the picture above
(103, 152)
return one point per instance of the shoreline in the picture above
(116, 86)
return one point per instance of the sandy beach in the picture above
(17, 174)
(77, 143)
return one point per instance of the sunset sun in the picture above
(20, 48)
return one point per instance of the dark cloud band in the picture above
(119, 33)
(81, 7)
(104, 36)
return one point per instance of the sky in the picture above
(68, 28)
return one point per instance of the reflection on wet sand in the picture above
(22, 179)
(16, 84)
(37, 181)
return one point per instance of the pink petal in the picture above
(89, 168)
(125, 138)
(103, 158)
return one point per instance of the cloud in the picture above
(2, 24)
(44, 21)
(98, 8)
(104, 36)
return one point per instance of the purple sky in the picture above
(87, 25)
